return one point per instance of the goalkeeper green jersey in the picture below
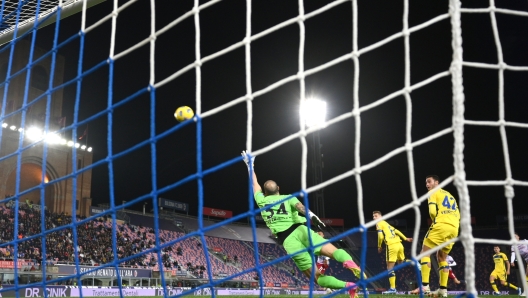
(281, 216)
(298, 218)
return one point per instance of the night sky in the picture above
(275, 113)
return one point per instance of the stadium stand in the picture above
(230, 254)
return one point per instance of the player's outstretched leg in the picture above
(297, 241)
(303, 262)
(341, 256)
(352, 266)
(331, 282)
(425, 263)
(518, 289)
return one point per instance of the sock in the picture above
(451, 275)
(494, 286)
(341, 256)
(330, 282)
(444, 274)
(392, 279)
(512, 286)
(426, 270)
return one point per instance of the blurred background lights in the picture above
(36, 134)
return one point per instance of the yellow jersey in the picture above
(443, 208)
(388, 233)
(499, 260)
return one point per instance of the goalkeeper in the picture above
(293, 234)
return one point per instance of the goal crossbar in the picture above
(27, 15)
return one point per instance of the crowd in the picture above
(94, 239)
(95, 242)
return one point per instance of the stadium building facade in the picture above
(26, 162)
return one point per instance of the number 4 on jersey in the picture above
(446, 204)
(281, 210)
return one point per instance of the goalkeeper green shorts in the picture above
(298, 240)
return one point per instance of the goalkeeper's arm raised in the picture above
(250, 160)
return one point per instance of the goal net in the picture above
(411, 89)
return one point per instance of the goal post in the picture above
(27, 18)
(140, 60)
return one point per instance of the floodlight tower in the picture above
(314, 113)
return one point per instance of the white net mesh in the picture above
(21, 16)
(155, 81)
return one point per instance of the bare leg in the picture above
(328, 250)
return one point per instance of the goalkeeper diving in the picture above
(282, 220)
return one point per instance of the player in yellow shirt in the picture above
(443, 210)
(395, 253)
(501, 271)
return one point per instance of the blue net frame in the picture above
(109, 162)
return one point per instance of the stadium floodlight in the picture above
(313, 111)
(4, 125)
(69, 143)
(62, 141)
(77, 145)
(12, 127)
(89, 149)
(83, 147)
(34, 133)
(53, 138)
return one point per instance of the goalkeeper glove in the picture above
(316, 221)
(247, 159)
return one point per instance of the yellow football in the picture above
(183, 113)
